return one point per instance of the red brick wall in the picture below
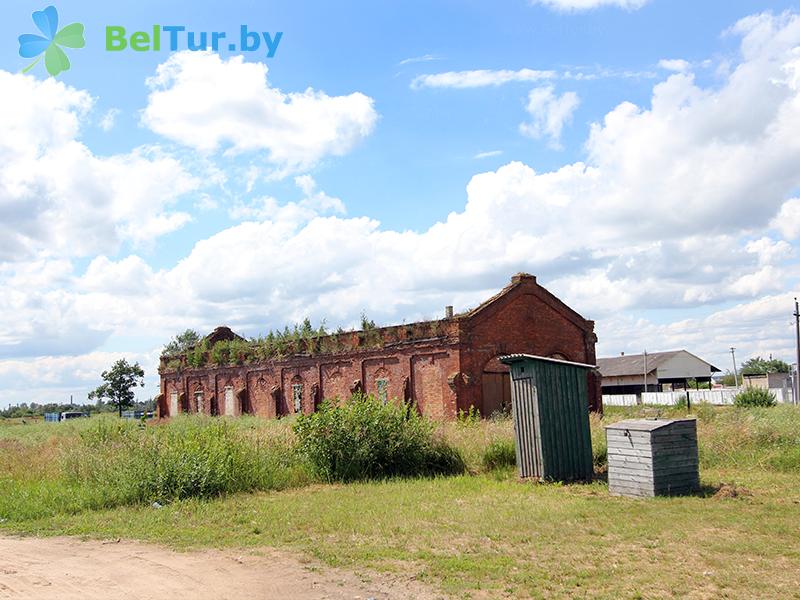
(260, 400)
(236, 379)
(337, 378)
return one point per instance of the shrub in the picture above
(755, 397)
(499, 454)
(367, 439)
(198, 355)
(470, 417)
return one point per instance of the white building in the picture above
(627, 373)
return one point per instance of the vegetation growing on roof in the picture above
(301, 339)
(181, 343)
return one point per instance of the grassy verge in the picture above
(488, 535)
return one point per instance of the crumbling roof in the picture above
(220, 334)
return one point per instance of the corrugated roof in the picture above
(633, 364)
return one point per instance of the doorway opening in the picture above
(496, 388)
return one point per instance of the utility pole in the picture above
(735, 373)
(796, 386)
(645, 375)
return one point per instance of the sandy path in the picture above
(68, 568)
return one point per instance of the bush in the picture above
(755, 397)
(367, 439)
(499, 454)
(470, 417)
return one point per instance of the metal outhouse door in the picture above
(550, 409)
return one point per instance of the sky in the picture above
(640, 157)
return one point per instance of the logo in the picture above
(49, 45)
(177, 37)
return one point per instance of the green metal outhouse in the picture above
(550, 409)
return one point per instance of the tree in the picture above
(119, 383)
(181, 343)
(760, 366)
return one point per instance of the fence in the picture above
(718, 397)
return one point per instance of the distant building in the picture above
(767, 380)
(625, 374)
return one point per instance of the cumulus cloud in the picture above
(674, 64)
(479, 78)
(549, 112)
(56, 196)
(583, 5)
(57, 378)
(670, 210)
(313, 203)
(109, 119)
(787, 221)
(200, 100)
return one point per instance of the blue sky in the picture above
(636, 155)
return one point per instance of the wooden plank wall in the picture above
(653, 463)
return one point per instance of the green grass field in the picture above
(479, 535)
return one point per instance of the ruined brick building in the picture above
(443, 366)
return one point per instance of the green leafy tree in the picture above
(761, 366)
(182, 343)
(120, 382)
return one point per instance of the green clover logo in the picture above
(32, 45)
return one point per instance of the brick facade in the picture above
(443, 366)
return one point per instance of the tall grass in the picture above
(190, 458)
(109, 463)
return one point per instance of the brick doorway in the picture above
(496, 388)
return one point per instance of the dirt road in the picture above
(68, 568)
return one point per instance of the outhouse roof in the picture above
(644, 424)
(512, 358)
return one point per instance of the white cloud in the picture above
(760, 327)
(55, 378)
(488, 154)
(787, 221)
(677, 65)
(549, 113)
(109, 119)
(202, 101)
(419, 59)
(582, 5)
(57, 197)
(479, 78)
(314, 202)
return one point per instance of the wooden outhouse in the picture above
(550, 409)
(652, 457)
